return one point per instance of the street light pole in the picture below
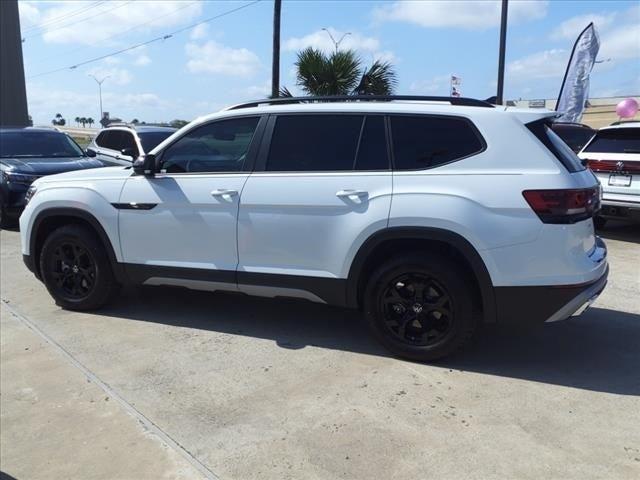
(99, 82)
(336, 44)
(275, 61)
(501, 55)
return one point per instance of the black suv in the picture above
(122, 144)
(27, 154)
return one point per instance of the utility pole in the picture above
(336, 44)
(275, 65)
(503, 46)
(13, 93)
(99, 82)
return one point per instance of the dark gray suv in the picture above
(122, 144)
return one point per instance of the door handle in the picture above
(223, 191)
(351, 193)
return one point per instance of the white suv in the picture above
(613, 154)
(429, 214)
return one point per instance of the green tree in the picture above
(342, 73)
(90, 121)
(58, 120)
(178, 123)
(135, 121)
(83, 121)
(77, 120)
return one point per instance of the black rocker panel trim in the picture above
(82, 215)
(138, 273)
(425, 233)
(330, 290)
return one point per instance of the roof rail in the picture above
(120, 124)
(461, 101)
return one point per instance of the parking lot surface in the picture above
(170, 383)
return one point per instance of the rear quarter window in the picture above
(421, 142)
(543, 132)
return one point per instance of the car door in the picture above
(179, 227)
(321, 186)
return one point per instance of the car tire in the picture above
(599, 222)
(76, 270)
(420, 306)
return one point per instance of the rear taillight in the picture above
(613, 166)
(564, 206)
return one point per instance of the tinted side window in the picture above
(102, 138)
(113, 140)
(421, 142)
(372, 152)
(216, 147)
(127, 141)
(302, 143)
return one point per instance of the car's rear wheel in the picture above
(76, 270)
(420, 306)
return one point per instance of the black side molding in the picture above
(134, 206)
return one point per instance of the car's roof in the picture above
(396, 106)
(142, 129)
(31, 129)
(627, 124)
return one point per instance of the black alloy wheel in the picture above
(73, 270)
(417, 309)
(76, 270)
(420, 305)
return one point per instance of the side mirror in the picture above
(90, 152)
(129, 152)
(145, 165)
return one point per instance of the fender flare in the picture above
(116, 266)
(457, 241)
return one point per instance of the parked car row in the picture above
(27, 154)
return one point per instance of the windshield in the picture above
(151, 140)
(616, 140)
(38, 145)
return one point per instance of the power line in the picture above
(63, 17)
(64, 54)
(138, 45)
(102, 12)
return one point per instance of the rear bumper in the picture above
(538, 304)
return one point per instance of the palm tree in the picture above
(90, 121)
(77, 120)
(341, 73)
(135, 121)
(83, 121)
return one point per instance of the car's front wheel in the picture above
(76, 270)
(420, 306)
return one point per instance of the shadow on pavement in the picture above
(598, 351)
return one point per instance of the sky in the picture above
(227, 60)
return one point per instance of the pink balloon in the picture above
(627, 108)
